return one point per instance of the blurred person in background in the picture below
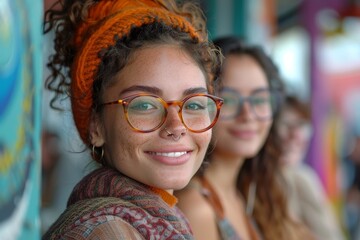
(239, 194)
(50, 157)
(352, 168)
(140, 77)
(306, 197)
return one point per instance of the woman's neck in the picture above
(223, 171)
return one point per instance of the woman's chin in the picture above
(176, 185)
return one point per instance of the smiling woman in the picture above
(239, 195)
(140, 77)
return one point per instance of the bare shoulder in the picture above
(198, 211)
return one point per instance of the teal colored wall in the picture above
(20, 95)
(226, 17)
(240, 16)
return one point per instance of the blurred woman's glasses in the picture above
(263, 103)
(294, 128)
(147, 112)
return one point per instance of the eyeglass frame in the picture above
(243, 100)
(166, 104)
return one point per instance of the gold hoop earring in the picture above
(95, 154)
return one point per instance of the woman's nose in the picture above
(174, 123)
(244, 111)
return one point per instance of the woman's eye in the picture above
(144, 106)
(230, 101)
(194, 106)
(259, 100)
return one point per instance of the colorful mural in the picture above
(20, 79)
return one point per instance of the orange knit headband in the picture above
(107, 19)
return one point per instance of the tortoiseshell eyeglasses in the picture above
(147, 112)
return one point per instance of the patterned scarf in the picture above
(107, 192)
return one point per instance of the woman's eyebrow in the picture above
(149, 89)
(195, 90)
(159, 92)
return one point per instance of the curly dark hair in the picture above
(65, 17)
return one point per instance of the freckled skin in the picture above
(171, 70)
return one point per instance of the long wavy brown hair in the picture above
(270, 207)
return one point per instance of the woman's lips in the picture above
(172, 158)
(243, 134)
(170, 154)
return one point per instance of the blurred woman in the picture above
(239, 195)
(307, 199)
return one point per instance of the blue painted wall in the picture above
(20, 95)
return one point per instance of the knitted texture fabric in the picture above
(105, 192)
(107, 21)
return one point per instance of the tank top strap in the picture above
(211, 196)
(226, 231)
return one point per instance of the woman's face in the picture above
(153, 158)
(243, 135)
(294, 132)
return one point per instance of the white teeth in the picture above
(171, 154)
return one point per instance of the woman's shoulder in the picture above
(78, 214)
(104, 227)
(91, 216)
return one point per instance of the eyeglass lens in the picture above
(262, 103)
(146, 113)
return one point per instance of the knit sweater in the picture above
(106, 204)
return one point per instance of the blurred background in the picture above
(315, 44)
